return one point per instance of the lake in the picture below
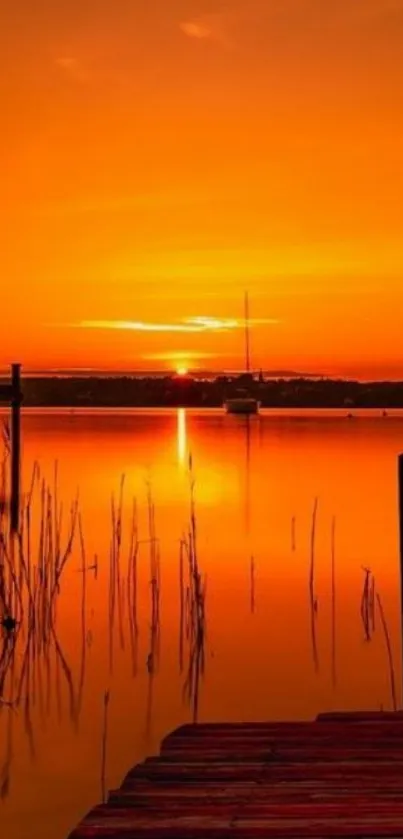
(293, 624)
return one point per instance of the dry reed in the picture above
(392, 677)
(252, 586)
(333, 559)
(313, 601)
(195, 608)
(366, 604)
(104, 749)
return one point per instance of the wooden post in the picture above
(15, 445)
(400, 471)
(400, 477)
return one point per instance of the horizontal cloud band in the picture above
(197, 324)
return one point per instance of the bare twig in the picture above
(104, 744)
(389, 652)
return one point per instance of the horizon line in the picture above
(91, 372)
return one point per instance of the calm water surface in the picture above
(282, 657)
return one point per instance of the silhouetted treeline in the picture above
(187, 392)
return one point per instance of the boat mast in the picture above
(247, 338)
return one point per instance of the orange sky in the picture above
(157, 158)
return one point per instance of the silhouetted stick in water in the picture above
(151, 658)
(104, 745)
(365, 604)
(372, 604)
(132, 587)
(389, 652)
(334, 668)
(115, 576)
(69, 680)
(5, 772)
(83, 615)
(112, 600)
(313, 602)
(315, 653)
(119, 524)
(195, 612)
(150, 695)
(155, 580)
(313, 539)
(59, 704)
(252, 585)
(67, 553)
(181, 604)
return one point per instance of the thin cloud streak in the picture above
(188, 325)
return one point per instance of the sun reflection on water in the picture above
(182, 435)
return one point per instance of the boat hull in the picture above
(242, 406)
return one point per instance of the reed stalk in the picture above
(104, 748)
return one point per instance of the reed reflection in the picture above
(333, 584)
(34, 668)
(153, 657)
(132, 596)
(247, 499)
(313, 599)
(195, 609)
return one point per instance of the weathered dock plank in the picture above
(286, 731)
(340, 776)
(361, 716)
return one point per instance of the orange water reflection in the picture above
(254, 478)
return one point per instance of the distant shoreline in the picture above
(175, 392)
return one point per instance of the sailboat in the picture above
(244, 404)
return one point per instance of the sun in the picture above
(182, 370)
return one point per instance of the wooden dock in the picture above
(339, 776)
